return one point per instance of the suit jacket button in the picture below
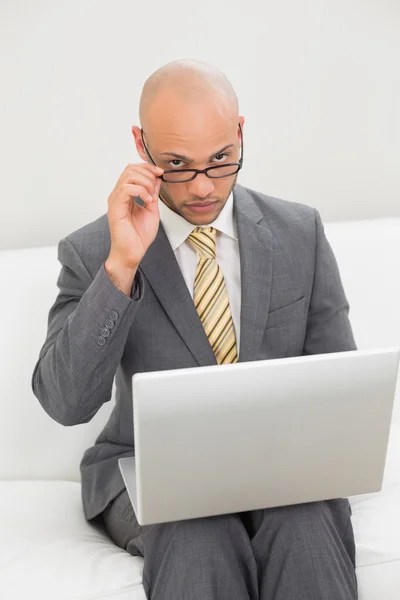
(101, 340)
(113, 315)
(109, 323)
(105, 332)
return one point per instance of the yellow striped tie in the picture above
(210, 297)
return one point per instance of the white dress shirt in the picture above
(227, 252)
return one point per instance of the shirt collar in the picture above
(178, 229)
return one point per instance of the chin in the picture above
(202, 218)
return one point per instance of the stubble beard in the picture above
(168, 201)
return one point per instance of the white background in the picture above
(318, 82)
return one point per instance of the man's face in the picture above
(196, 139)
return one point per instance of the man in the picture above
(229, 274)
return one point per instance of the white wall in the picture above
(318, 82)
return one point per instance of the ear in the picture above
(136, 132)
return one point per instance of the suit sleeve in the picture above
(328, 325)
(74, 374)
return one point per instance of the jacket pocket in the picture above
(286, 314)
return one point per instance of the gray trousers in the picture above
(299, 552)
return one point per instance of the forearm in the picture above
(74, 374)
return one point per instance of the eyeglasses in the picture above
(217, 172)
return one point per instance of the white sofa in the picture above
(47, 549)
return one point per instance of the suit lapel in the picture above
(256, 262)
(163, 274)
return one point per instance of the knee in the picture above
(311, 520)
(211, 532)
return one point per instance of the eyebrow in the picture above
(189, 160)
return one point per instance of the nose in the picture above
(201, 186)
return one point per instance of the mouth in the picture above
(201, 206)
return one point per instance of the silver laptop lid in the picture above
(221, 439)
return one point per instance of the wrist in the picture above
(120, 274)
(115, 265)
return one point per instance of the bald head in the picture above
(186, 82)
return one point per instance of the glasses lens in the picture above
(223, 171)
(179, 176)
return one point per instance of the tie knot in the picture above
(203, 240)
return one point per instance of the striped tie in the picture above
(210, 297)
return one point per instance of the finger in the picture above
(144, 172)
(145, 181)
(157, 189)
(151, 206)
(145, 168)
(152, 168)
(127, 192)
(154, 176)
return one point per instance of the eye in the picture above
(176, 160)
(224, 155)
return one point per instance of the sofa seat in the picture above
(49, 551)
(376, 523)
(65, 557)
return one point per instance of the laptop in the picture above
(230, 438)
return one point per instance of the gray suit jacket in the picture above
(293, 303)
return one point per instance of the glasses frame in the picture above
(195, 172)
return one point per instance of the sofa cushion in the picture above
(49, 551)
(26, 430)
(376, 523)
(368, 255)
